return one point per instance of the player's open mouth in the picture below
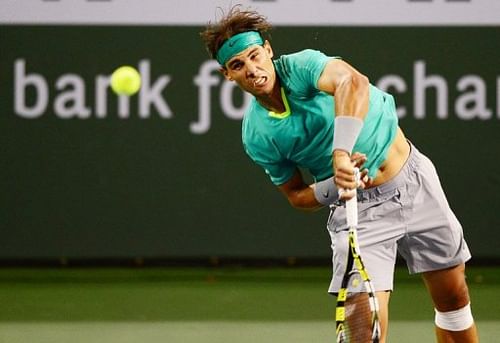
(259, 81)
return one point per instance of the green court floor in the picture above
(208, 305)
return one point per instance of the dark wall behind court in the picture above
(85, 174)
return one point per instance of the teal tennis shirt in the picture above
(302, 136)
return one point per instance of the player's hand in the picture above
(345, 178)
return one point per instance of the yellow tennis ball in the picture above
(125, 80)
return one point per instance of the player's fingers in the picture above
(346, 194)
(364, 179)
(363, 173)
(346, 173)
(357, 155)
(358, 159)
(345, 181)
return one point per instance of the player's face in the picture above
(253, 70)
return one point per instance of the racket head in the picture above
(360, 313)
(357, 306)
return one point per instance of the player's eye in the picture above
(236, 66)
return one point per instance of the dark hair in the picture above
(234, 22)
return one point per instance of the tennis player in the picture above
(313, 111)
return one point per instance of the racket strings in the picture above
(358, 318)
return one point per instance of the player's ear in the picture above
(224, 72)
(268, 48)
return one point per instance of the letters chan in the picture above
(431, 95)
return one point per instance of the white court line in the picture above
(208, 332)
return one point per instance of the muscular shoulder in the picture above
(300, 71)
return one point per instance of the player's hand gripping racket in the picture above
(356, 314)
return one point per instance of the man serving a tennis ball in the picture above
(125, 80)
(319, 113)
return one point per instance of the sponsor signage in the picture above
(280, 12)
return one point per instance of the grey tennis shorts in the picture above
(409, 214)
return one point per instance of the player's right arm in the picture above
(351, 91)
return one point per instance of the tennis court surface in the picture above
(208, 305)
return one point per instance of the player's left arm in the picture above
(351, 91)
(313, 197)
(299, 194)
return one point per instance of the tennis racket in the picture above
(356, 313)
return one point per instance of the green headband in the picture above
(237, 44)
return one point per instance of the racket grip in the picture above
(351, 205)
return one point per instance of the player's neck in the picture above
(273, 101)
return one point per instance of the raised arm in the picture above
(350, 88)
(351, 91)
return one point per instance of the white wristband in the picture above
(346, 132)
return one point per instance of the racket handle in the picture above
(351, 205)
